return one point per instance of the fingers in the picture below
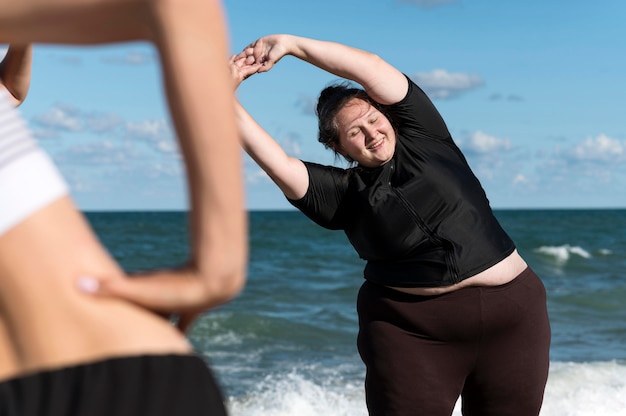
(241, 69)
(247, 57)
(162, 292)
(258, 53)
(180, 293)
(246, 54)
(249, 70)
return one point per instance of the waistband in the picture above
(397, 295)
(156, 385)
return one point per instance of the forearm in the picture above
(15, 71)
(339, 59)
(257, 143)
(194, 49)
(75, 21)
(287, 172)
(383, 82)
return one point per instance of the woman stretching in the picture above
(448, 307)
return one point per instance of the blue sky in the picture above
(534, 93)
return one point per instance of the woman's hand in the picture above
(382, 82)
(184, 293)
(265, 51)
(240, 70)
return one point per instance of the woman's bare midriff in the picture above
(498, 274)
(45, 322)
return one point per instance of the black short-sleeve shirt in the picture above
(420, 220)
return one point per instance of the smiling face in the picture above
(365, 134)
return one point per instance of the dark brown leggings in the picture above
(489, 345)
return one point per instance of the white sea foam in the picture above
(586, 389)
(293, 394)
(561, 254)
(574, 389)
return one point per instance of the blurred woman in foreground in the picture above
(77, 336)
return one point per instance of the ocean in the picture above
(286, 345)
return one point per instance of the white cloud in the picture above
(440, 83)
(256, 175)
(142, 149)
(60, 117)
(117, 160)
(521, 182)
(486, 155)
(157, 133)
(160, 170)
(586, 167)
(65, 118)
(99, 153)
(520, 179)
(602, 149)
(290, 144)
(147, 129)
(480, 143)
(102, 123)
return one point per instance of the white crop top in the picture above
(29, 180)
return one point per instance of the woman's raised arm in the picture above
(384, 83)
(288, 172)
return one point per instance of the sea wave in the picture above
(294, 394)
(573, 389)
(561, 254)
(583, 389)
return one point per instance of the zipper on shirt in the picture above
(447, 245)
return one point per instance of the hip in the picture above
(499, 274)
(45, 321)
(459, 315)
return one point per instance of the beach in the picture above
(286, 345)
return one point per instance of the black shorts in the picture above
(490, 345)
(151, 385)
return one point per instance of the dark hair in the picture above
(331, 100)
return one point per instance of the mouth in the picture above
(376, 145)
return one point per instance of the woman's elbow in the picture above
(226, 280)
(229, 286)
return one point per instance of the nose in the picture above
(370, 132)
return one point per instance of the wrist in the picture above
(286, 43)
